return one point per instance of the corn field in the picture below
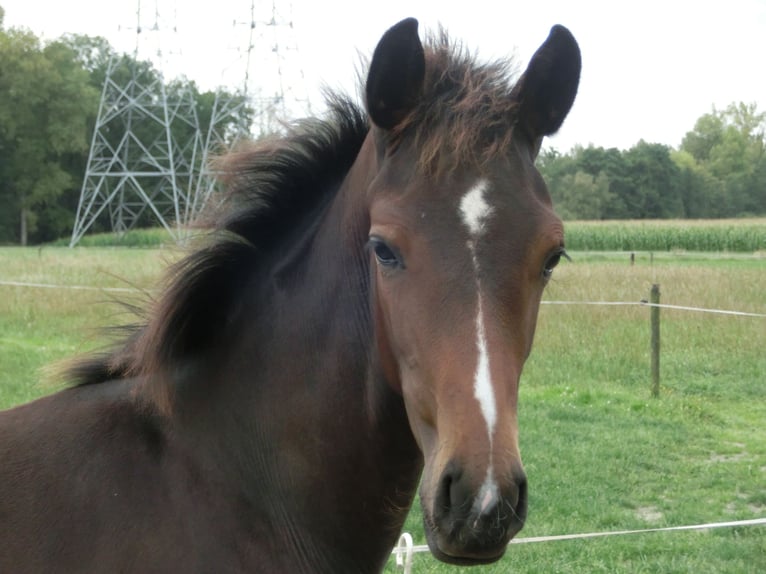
(732, 235)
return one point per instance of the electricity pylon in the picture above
(137, 169)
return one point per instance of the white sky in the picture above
(650, 68)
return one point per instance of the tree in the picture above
(729, 150)
(45, 104)
(597, 183)
(652, 182)
(583, 196)
(93, 54)
(707, 133)
(698, 188)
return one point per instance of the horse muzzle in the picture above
(471, 524)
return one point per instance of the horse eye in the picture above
(552, 261)
(384, 254)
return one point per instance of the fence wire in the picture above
(405, 550)
(641, 303)
(645, 303)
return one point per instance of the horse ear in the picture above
(546, 90)
(395, 79)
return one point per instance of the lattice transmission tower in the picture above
(135, 165)
(138, 168)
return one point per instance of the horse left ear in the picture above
(546, 90)
(395, 79)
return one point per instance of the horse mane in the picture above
(268, 186)
(466, 115)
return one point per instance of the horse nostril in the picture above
(452, 495)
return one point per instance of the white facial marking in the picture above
(475, 209)
(482, 379)
(487, 497)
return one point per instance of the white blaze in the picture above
(482, 379)
(475, 210)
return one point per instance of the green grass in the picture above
(600, 453)
(733, 235)
(39, 326)
(146, 238)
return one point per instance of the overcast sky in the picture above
(650, 68)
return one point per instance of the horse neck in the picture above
(322, 431)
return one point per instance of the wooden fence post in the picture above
(654, 298)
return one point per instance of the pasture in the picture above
(599, 452)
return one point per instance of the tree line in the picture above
(49, 96)
(718, 171)
(49, 100)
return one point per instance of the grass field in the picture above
(599, 452)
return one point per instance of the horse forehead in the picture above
(512, 218)
(474, 202)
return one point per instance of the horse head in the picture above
(462, 242)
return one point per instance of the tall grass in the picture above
(733, 235)
(145, 238)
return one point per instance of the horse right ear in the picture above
(395, 79)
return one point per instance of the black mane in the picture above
(268, 187)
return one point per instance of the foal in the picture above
(360, 316)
